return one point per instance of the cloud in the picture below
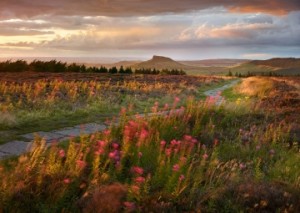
(31, 8)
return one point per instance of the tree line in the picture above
(58, 66)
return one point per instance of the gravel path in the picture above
(15, 148)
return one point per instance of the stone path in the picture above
(216, 93)
(19, 147)
(15, 148)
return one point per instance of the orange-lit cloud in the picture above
(31, 8)
(141, 27)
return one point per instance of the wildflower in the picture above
(176, 168)
(176, 99)
(174, 143)
(106, 132)
(166, 106)
(62, 153)
(154, 109)
(123, 111)
(114, 155)
(168, 152)
(205, 156)
(99, 151)
(257, 147)
(216, 142)
(129, 205)
(137, 170)
(242, 166)
(144, 134)
(163, 143)
(135, 189)
(181, 177)
(183, 159)
(140, 154)
(272, 152)
(139, 179)
(101, 143)
(194, 140)
(115, 145)
(187, 137)
(67, 180)
(80, 163)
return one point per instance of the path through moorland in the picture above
(18, 147)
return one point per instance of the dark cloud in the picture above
(30, 8)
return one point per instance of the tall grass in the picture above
(198, 157)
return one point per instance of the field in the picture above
(44, 101)
(191, 155)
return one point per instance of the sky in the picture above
(138, 29)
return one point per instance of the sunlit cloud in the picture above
(142, 28)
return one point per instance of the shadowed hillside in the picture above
(282, 66)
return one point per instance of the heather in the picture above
(183, 158)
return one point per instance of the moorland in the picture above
(193, 153)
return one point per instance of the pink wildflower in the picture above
(101, 143)
(137, 170)
(205, 156)
(106, 132)
(168, 152)
(176, 168)
(163, 143)
(80, 163)
(144, 134)
(99, 151)
(242, 166)
(181, 177)
(115, 145)
(166, 106)
(176, 99)
(183, 159)
(129, 205)
(140, 179)
(67, 180)
(62, 153)
(187, 137)
(140, 154)
(135, 188)
(123, 111)
(194, 140)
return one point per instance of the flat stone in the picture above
(48, 136)
(71, 132)
(14, 148)
(95, 126)
(3, 155)
(90, 128)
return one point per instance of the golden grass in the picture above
(255, 86)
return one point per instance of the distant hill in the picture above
(161, 62)
(282, 66)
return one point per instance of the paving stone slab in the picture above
(71, 132)
(91, 127)
(49, 136)
(4, 155)
(14, 148)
